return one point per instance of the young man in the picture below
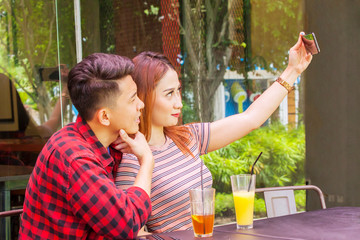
(71, 193)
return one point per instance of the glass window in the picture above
(31, 73)
(33, 90)
(225, 52)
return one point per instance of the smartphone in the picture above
(311, 44)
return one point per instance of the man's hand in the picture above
(136, 145)
(140, 148)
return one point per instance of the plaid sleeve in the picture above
(109, 211)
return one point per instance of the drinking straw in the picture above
(252, 171)
(202, 192)
(201, 174)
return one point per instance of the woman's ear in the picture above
(103, 116)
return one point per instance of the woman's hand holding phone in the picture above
(311, 44)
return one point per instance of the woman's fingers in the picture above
(308, 57)
(298, 43)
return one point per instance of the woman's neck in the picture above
(157, 136)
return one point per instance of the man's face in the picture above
(127, 108)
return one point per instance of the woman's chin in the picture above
(171, 124)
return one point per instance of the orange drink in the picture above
(244, 207)
(203, 224)
(202, 202)
(243, 188)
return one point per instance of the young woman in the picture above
(176, 149)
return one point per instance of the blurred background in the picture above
(226, 52)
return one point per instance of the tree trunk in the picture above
(208, 46)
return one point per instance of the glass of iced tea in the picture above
(243, 188)
(202, 204)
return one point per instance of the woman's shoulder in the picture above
(197, 126)
(199, 130)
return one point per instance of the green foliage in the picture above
(278, 20)
(154, 10)
(259, 207)
(280, 164)
(188, 113)
(224, 205)
(300, 200)
(27, 42)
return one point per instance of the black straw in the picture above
(252, 171)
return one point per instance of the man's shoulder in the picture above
(69, 141)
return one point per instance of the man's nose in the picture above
(140, 105)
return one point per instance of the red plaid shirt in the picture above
(71, 192)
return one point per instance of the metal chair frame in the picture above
(11, 213)
(274, 195)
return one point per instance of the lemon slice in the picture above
(197, 218)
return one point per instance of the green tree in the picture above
(239, 35)
(29, 41)
(275, 25)
(207, 45)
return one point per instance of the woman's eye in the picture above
(169, 94)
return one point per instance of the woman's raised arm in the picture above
(230, 129)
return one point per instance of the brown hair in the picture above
(150, 67)
(92, 83)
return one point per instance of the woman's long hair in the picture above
(150, 67)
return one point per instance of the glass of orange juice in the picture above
(202, 204)
(243, 188)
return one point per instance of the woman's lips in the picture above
(176, 115)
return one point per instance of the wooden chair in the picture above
(280, 201)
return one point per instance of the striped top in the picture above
(174, 174)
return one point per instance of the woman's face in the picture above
(167, 102)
